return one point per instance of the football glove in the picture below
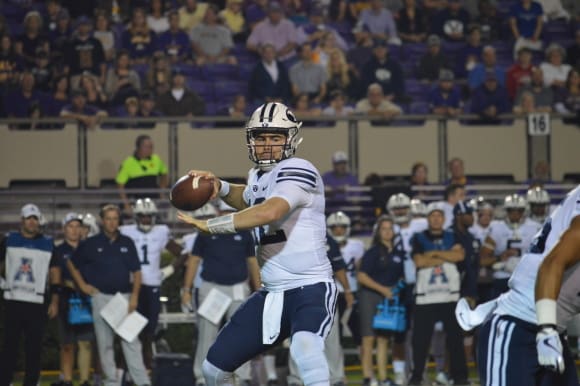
(549, 349)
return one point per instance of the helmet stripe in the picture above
(271, 114)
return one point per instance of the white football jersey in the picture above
(505, 236)
(415, 226)
(149, 247)
(351, 252)
(519, 301)
(188, 241)
(292, 251)
(480, 232)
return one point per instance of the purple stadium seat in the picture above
(226, 90)
(416, 89)
(189, 70)
(419, 108)
(202, 88)
(557, 30)
(141, 69)
(414, 52)
(221, 71)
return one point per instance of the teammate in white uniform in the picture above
(539, 201)
(507, 240)
(283, 202)
(507, 349)
(151, 240)
(480, 230)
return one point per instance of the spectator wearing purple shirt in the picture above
(314, 30)
(256, 12)
(78, 109)
(445, 99)
(138, 39)
(174, 42)
(18, 103)
(378, 22)
(276, 30)
(60, 96)
(490, 100)
(337, 179)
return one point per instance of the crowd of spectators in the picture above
(323, 57)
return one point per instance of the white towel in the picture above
(272, 317)
(467, 318)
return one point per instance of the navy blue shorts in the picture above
(150, 307)
(309, 308)
(507, 356)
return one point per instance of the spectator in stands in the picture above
(573, 8)
(337, 107)
(9, 64)
(304, 108)
(147, 108)
(31, 39)
(490, 100)
(142, 170)
(93, 90)
(411, 23)
(445, 99)
(326, 45)
(490, 21)
(43, 71)
(520, 73)
(340, 76)
(60, 95)
(470, 55)
(308, 77)
(378, 22)
(130, 110)
(526, 24)
(355, 7)
(59, 36)
(436, 253)
(317, 28)
(568, 98)
(381, 269)
(212, 42)
(456, 170)
(276, 30)
(359, 55)
(433, 61)
(53, 8)
(553, 10)
(375, 104)
(78, 109)
(526, 104)
(543, 96)
(256, 12)
(541, 176)
(337, 179)
(191, 14)
(554, 68)
(419, 178)
(122, 81)
(479, 73)
(174, 42)
(104, 34)
(85, 53)
(101, 278)
(18, 103)
(158, 75)
(157, 20)
(385, 71)
(573, 52)
(298, 11)
(32, 280)
(180, 101)
(236, 109)
(233, 18)
(138, 39)
(451, 22)
(269, 80)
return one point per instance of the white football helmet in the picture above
(207, 211)
(399, 201)
(515, 201)
(145, 207)
(338, 219)
(418, 208)
(539, 201)
(90, 221)
(277, 118)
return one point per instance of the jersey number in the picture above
(515, 244)
(264, 238)
(350, 267)
(144, 249)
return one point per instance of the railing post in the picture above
(538, 150)
(442, 148)
(353, 147)
(173, 156)
(82, 152)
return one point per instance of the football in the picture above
(191, 193)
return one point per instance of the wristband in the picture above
(221, 224)
(546, 311)
(224, 188)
